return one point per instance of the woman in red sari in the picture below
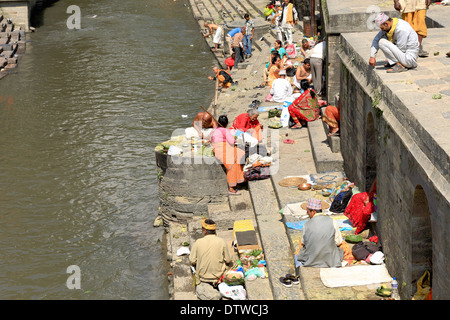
(360, 208)
(306, 107)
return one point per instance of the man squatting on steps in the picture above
(398, 41)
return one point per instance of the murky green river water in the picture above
(79, 120)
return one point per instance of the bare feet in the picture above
(233, 191)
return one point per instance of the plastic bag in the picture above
(258, 272)
(232, 292)
(284, 119)
(290, 49)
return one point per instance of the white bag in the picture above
(232, 292)
(377, 258)
(285, 117)
(285, 112)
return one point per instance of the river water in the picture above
(79, 120)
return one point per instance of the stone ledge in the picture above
(324, 158)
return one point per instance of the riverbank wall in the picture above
(384, 136)
(387, 135)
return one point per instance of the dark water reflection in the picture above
(77, 171)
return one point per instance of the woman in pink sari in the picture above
(306, 107)
(228, 154)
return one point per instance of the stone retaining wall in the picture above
(381, 138)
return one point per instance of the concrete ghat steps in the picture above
(274, 240)
(224, 14)
(182, 276)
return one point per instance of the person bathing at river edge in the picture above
(225, 80)
(223, 143)
(218, 32)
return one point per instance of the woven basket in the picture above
(292, 181)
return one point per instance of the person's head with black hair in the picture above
(223, 121)
(276, 58)
(208, 227)
(304, 84)
(278, 44)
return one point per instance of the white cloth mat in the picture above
(358, 275)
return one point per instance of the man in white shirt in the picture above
(281, 88)
(316, 60)
(287, 20)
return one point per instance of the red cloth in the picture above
(229, 62)
(243, 122)
(305, 107)
(357, 212)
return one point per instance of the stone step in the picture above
(241, 201)
(325, 160)
(225, 220)
(222, 11)
(274, 240)
(181, 271)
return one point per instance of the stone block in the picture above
(7, 54)
(429, 82)
(324, 158)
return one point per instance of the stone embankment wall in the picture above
(383, 138)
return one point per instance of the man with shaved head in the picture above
(203, 120)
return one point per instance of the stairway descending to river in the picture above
(262, 201)
(326, 150)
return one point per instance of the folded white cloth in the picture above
(265, 160)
